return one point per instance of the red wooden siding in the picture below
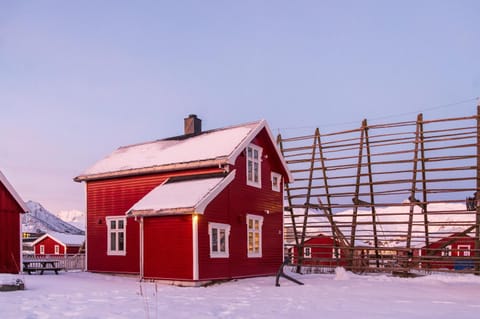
(457, 258)
(168, 247)
(231, 207)
(49, 245)
(321, 252)
(9, 232)
(113, 197)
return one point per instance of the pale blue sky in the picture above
(80, 78)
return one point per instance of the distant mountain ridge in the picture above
(41, 220)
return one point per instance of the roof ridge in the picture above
(186, 136)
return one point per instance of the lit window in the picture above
(42, 249)
(57, 249)
(254, 235)
(307, 252)
(276, 181)
(116, 235)
(254, 172)
(219, 234)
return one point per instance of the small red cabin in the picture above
(320, 251)
(198, 207)
(455, 252)
(58, 244)
(11, 206)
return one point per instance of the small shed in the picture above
(454, 252)
(11, 207)
(321, 250)
(58, 244)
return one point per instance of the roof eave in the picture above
(153, 169)
(13, 192)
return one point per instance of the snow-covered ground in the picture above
(340, 295)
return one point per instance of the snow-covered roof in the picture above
(181, 197)
(214, 147)
(63, 238)
(12, 191)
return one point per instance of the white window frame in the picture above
(447, 251)
(278, 177)
(252, 253)
(463, 250)
(42, 249)
(250, 160)
(218, 228)
(307, 252)
(57, 249)
(116, 231)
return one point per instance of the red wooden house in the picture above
(58, 244)
(454, 252)
(320, 251)
(196, 207)
(11, 206)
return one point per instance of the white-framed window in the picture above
(464, 250)
(57, 249)
(254, 235)
(276, 182)
(219, 234)
(254, 165)
(447, 251)
(42, 249)
(307, 252)
(116, 235)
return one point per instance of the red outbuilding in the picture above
(454, 252)
(202, 206)
(11, 207)
(58, 244)
(320, 250)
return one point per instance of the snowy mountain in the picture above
(41, 220)
(74, 217)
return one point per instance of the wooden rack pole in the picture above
(355, 198)
(372, 196)
(424, 182)
(289, 197)
(414, 182)
(477, 199)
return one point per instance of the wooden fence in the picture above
(67, 262)
(386, 197)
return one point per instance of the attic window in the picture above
(254, 166)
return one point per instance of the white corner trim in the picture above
(195, 246)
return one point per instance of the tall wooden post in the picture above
(355, 198)
(289, 197)
(414, 182)
(424, 183)
(372, 196)
(477, 198)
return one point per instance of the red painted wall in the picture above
(231, 207)
(434, 250)
(49, 245)
(9, 232)
(168, 247)
(113, 197)
(321, 252)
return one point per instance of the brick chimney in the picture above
(192, 124)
